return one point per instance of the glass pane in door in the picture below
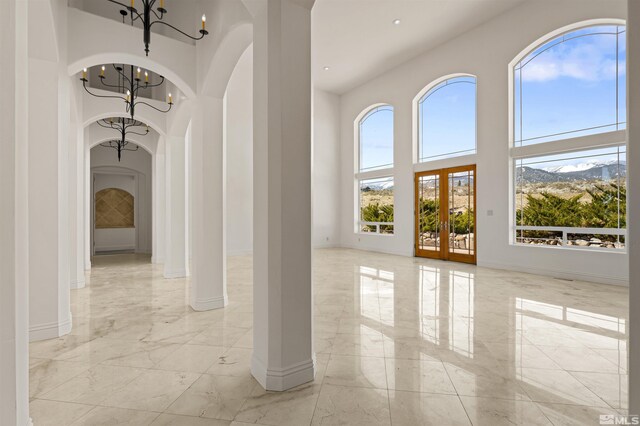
(461, 207)
(428, 209)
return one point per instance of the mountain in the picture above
(378, 186)
(572, 173)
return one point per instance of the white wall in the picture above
(239, 151)
(133, 174)
(326, 169)
(484, 52)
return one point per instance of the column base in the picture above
(78, 284)
(282, 379)
(51, 330)
(87, 266)
(30, 422)
(178, 273)
(209, 304)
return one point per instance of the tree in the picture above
(376, 212)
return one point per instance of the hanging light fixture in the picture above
(128, 87)
(124, 126)
(146, 18)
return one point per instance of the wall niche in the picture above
(114, 209)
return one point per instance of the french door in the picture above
(445, 214)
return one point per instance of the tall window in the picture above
(376, 139)
(571, 86)
(374, 172)
(569, 147)
(447, 119)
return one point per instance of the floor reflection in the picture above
(549, 346)
(398, 340)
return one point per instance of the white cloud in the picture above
(589, 59)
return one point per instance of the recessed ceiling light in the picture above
(326, 68)
(396, 22)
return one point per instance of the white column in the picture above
(633, 211)
(209, 265)
(88, 201)
(76, 203)
(50, 314)
(174, 262)
(159, 204)
(282, 331)
(14, 249)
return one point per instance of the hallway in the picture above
(398, 340)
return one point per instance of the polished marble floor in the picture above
(399, 341)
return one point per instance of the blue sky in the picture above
(567, 84)
(571, 85)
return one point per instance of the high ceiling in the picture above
(358, 40)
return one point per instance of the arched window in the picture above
(570, 86)
(569, 144)
(447, 119)
(374, 171)
(376, 139)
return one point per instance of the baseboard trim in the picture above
(282, 379)
(178, 273)
(50, 330)
(75, 285)
(201, 305)
(565, 275)
(102, 249)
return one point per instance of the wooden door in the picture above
(445, 214)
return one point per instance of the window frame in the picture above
(468, 157)
(361, 118)
(377, 173)
(610, 139)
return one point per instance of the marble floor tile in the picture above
(397, 339)
(579, 359)
(366, 372)
(340, 405)
(482, 382)
(418, 376)
(499, 412)
(415, 408)
(175, 420)
(363, 344)
(216, 397)
(291, 408)
(153, 390)
(48, 374)
(55, 413)
(109, 416)
(191, 358)
(94, 385)
(574, 415)
(612, 388)
(557, 386)
(232, 362)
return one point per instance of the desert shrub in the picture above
(376, 212)
(551, 210)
